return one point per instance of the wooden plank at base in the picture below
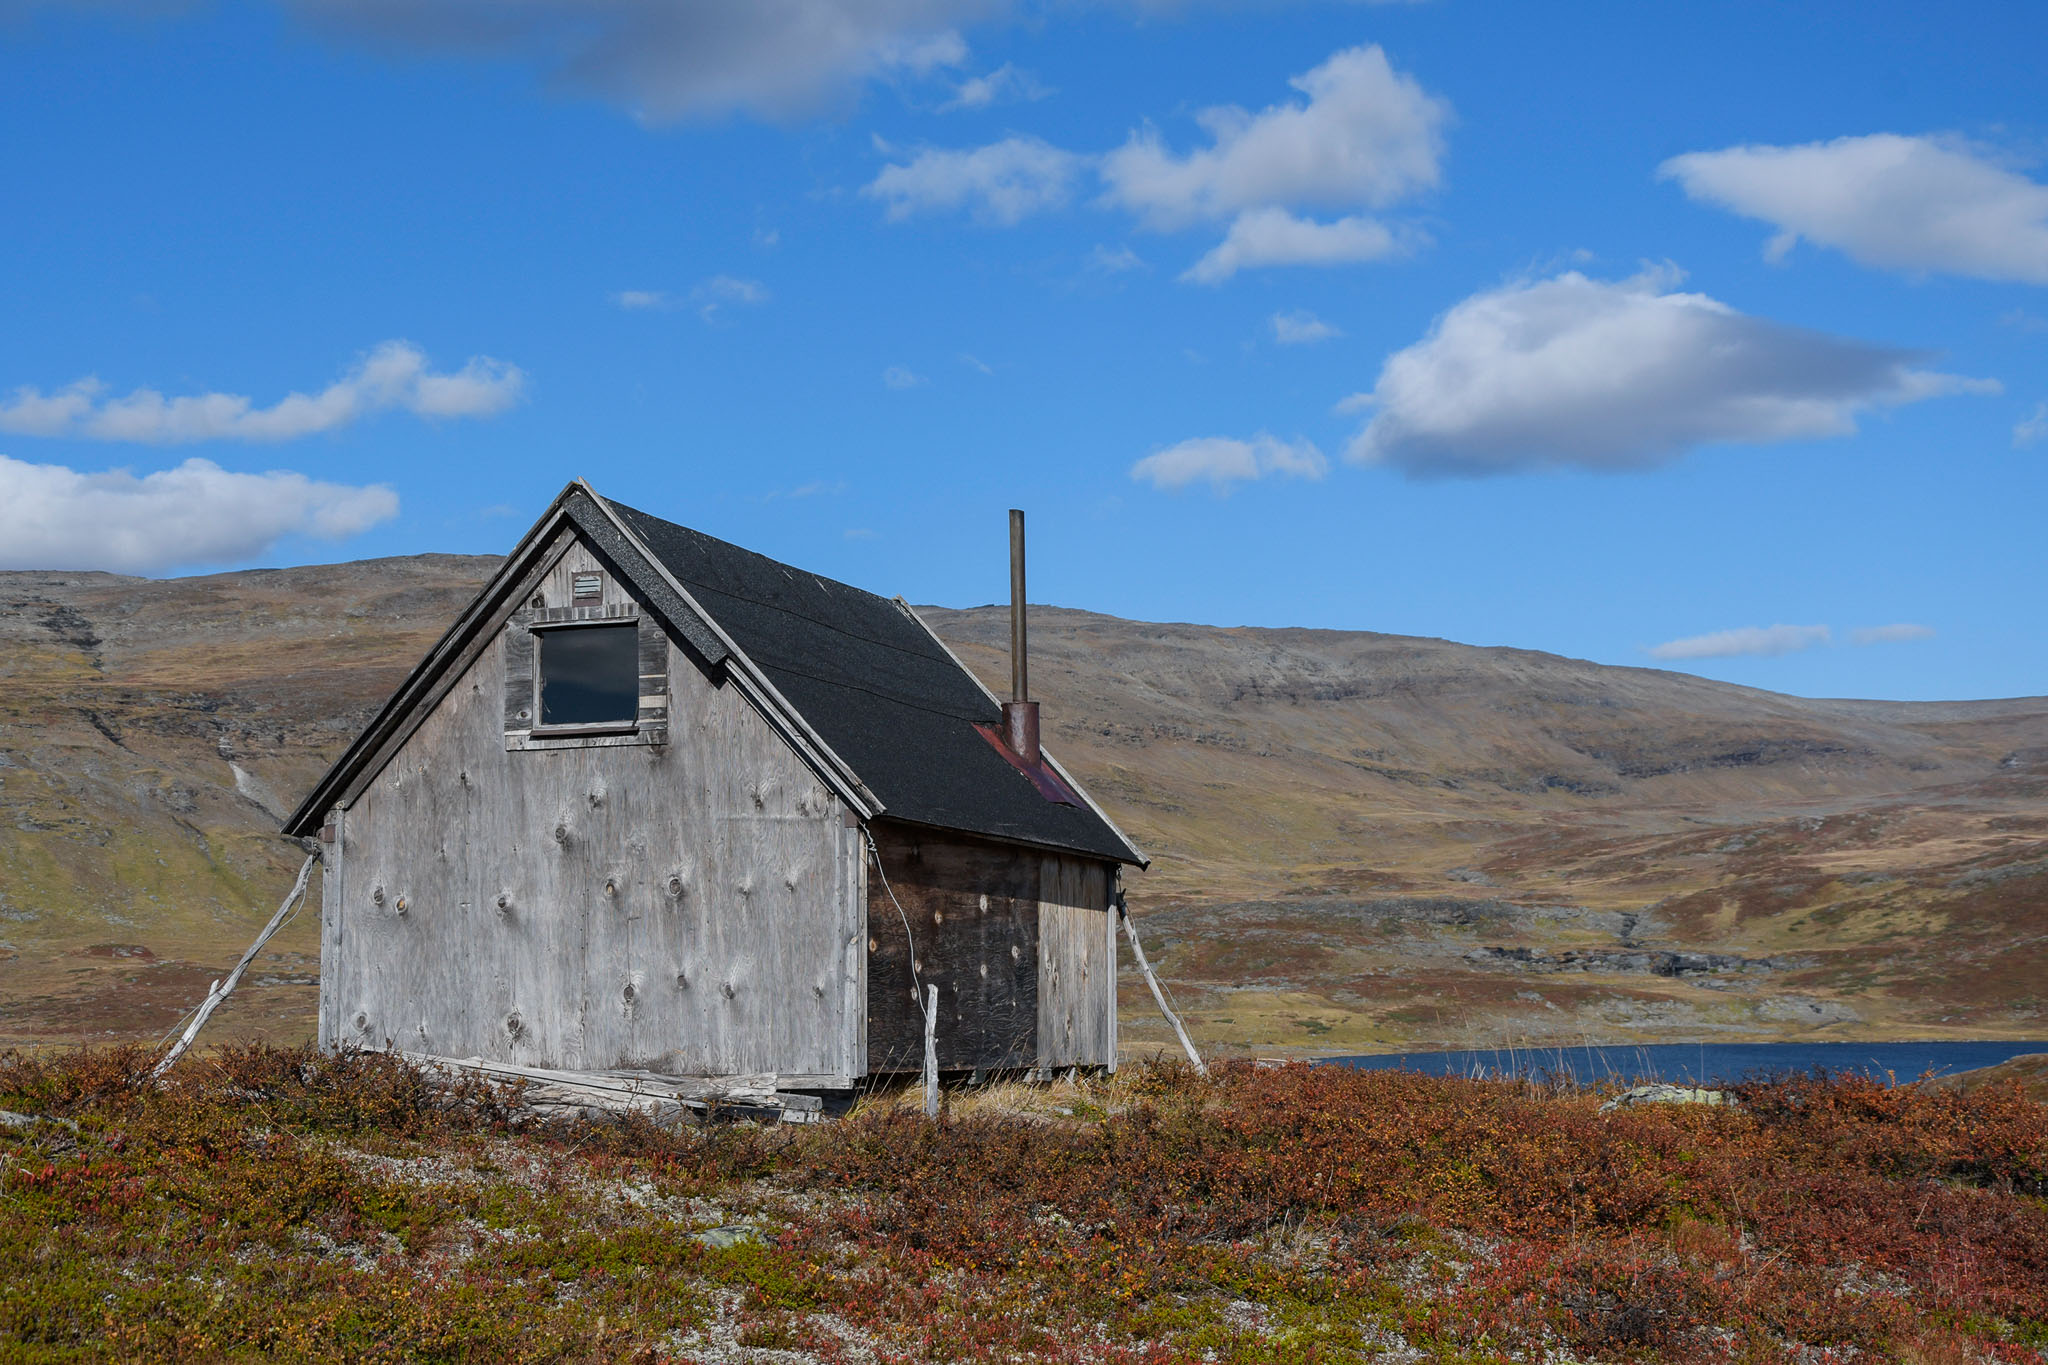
(628, 1090)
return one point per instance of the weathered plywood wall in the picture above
(1076, 965)
(1015, 939)
(690, 907)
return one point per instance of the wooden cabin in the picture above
(656, 803)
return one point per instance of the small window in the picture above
(589, 587)
(589, 675)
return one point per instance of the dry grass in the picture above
(1068, 1098)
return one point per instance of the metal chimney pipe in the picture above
(1020, 678)
(1020, 713)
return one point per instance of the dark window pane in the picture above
(589, 675)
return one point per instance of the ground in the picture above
(281, 1205)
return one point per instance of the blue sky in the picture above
(1706, 337)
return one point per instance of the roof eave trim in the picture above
(307, 818)
(753, 682)
(1137, 857)
(1007, 840)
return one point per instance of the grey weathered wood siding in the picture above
(689, 907)
(1015, 939)
(1076, 965)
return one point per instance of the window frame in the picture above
(623, 726)
(519, 645)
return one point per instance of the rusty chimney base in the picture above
(1020, 730)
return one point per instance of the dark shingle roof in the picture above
(877, 688)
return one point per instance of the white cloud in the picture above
(817, 488)
(708, 295)
(673, 59)
(1001, 86)
(1224, 460)
(1273, 236)
(52, 517)
(1898, 203)
(1114, 260)
(1746, 640)
(1575, 372)
(1301, 328)
(732, 289)
(2031, 429)
(1366, 136)
(720, 290)
(902, 377)
(1002, 183)
(1887, 635)
(393, 375)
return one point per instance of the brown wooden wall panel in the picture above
(972, 909)
(978, 913)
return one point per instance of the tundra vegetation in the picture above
(269, 1203)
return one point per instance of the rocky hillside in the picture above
(1360, 840)
(151, 734)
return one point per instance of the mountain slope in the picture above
(1359, 839)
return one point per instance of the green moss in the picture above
(773, 1279)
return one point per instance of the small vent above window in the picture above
(589, 587)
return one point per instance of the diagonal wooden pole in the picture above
(220, 989)
(1138, 950)
(931, 1052)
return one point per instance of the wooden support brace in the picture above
(931, 1052)
(220, 989)
(1138, 951)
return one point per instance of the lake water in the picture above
(1704, 1063)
